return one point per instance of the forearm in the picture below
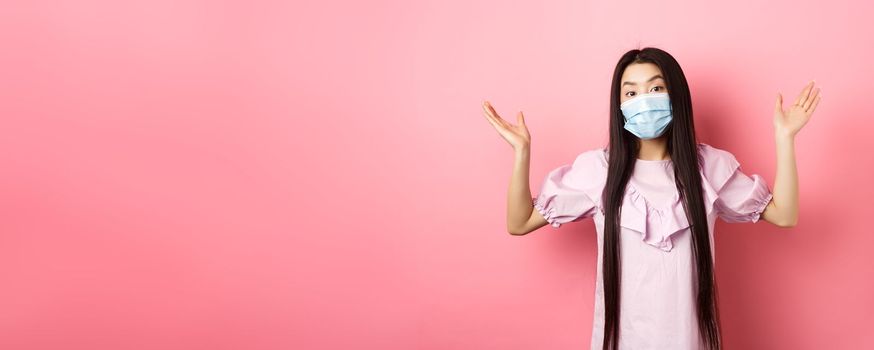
(786, 182)
(519, 204)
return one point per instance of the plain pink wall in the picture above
(318, 174)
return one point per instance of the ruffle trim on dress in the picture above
(666, 222)
(548, 214)
(760, 208)
(751, 209)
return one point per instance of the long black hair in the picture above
(683, 149)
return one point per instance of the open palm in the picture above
(791, 120)
(516, 135)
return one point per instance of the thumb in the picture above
(778, 107)
(520, 118)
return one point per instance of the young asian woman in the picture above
(654, 193)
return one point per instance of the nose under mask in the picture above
(648, 115)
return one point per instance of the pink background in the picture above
(318, 174)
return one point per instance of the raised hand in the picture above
(516, 135)
(790, 121)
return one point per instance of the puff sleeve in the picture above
(568, 193)
(742, 197)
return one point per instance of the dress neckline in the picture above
(660, 206)
(645, 161)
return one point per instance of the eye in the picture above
(630, 92)
(657, 86)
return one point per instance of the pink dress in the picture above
(658, 280)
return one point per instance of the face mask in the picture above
(648, 115)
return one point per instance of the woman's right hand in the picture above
(516, 135)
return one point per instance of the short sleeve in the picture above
(568, 193)
(741, 197)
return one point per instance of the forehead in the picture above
(639, 73)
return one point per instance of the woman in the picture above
(654, 194)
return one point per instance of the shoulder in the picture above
(589, 169)
(592, 165)
(716, 164)
(592, 158)
(715, 157)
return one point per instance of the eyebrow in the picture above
(650, 79)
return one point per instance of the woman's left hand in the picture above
(788, 122)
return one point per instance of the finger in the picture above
(493, 121)
(486, 107)
(778, 106)
(809, 95)
(520, 119)
(804, 94)
(491, 114)
(491, 110)
(811, 99)
(815, 103)
(801, 95)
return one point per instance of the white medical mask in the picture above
(647, 115)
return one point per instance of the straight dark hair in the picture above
(683, 149)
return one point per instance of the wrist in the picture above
(784, 136)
